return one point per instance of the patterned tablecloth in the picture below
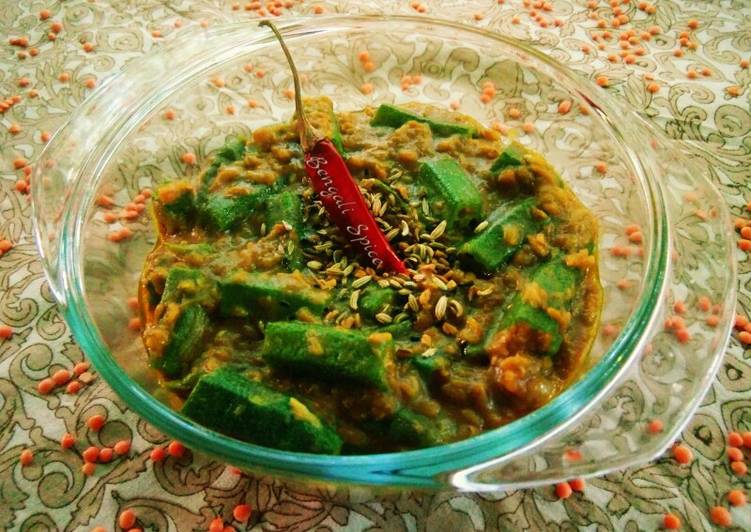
(186, 494)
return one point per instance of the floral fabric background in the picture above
(186, 493)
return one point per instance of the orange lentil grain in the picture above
(514, 113)
(720, 516)
(734, 90)
(651, 10)
(528, 127)
(734, 454)
(260, 73)
(317, 10)
(655, 426)
(216, 525)
(713, 321)
(671, 522)
(126, 519)
(90, 454)
(744, 244)
(682, 454)
(230, 109)
(15, 129)
(740, 321)
(653, 87)
(134, 324)
(45, 386)
(122, 447)
(19, 163)
(601, 167)
(706, 72)
(67, 441)
(691, 74)
(736, 497)
(515, 20)
(26, 457)
(629, 59)
(564, 107)
(105, 455)
(563, 490)
(577, 484)
(735, 439)
(188, 158)
(602, 81)
(56, 27)
(110, 217)
(612, 58)
(363, 56)
(679, 307)
(88, 47)
(739, 468)
(693, 23)
(744, 63)
(73, 387)
(176, 449)
(61, 376)
(747, 439)
(88, 468)
(96, 422)
(157, 454)
(242, 512)
(682, 335)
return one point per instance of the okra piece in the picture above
(392, 116)
(509, 226)
(221, 212)
(328, 353)
(373, 299)
(451, 193)
(174, 206)
(286, 207)
(558, 282)
(427, 366)
(184, 284)
(185, 341)
(511, 156)
(230, 403)
(269, 297)
(410, 428)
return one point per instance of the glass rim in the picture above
(420, 467)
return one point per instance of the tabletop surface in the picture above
(710, 114)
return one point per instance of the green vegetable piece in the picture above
(174, 206)
(328, 353)
(228, 402)
(186, 284)
(427, 366)
(512, 155)
(190, 249)
(509, 225)
(392, 116)
(222, 212)
(286, 207)
(451, 193)
(373, 299)
(559, 282)
(269, 297)
(410, 428)
(183, 346)
(233, 150)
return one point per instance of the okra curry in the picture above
(268, 327)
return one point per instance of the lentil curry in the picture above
(264, 322)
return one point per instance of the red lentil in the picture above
(744, 63)
(88, 47)
(704, 303)
(601, 167)
(528, 127)
(96, 422)
(73, 387)
(564, 107)
(126, 519)
(692, 74)
(26, 457)
(45, 386)
(734, 454)
(682, 454)
(713, 321)
(655, 426)
(577, 484)
(122, 447)
(157, 454)
(693, 23)
(88, 468)
(720, 516)
(242, 512)
(739, 468)
(671, 522)
(744, 337)
(105, 455)
(563, 490)
(736, 497)
(90, 454)
(67, 441)
(366, 88)
(216, 525)
(747, 439)
(176, 449)
(682, 335)
(653, 87)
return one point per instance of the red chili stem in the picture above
(335, 186)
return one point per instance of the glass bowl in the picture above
(119, 142)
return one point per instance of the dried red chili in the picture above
(336, 188)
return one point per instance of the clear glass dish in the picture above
(118, 142)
